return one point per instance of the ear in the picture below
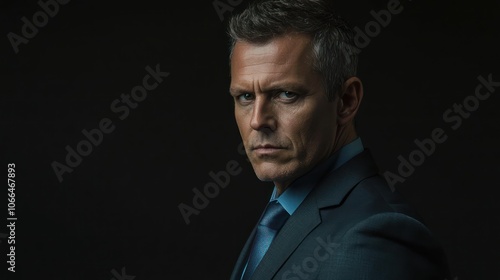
(349, 100)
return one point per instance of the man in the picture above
(331, 215)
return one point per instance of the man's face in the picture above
(283, 114)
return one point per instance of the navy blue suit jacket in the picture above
(351, 226)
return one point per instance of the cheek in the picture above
(311, 132)
(240, 121)
(301, 131)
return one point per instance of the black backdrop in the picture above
(117, 213)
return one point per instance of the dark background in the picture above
(119, 207)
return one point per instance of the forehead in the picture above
(288, 54)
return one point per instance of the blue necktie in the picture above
(273, 219)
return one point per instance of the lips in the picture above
(266, 146)
(267, 149)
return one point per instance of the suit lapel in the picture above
(330, 191)
(337, 184)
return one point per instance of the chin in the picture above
(274, 172)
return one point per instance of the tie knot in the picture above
(274, 216)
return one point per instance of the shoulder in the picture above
(388, 245)
(367, 198)
(379, 236)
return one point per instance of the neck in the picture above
(345, 135)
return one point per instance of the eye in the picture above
(245, 97)
(287, 95)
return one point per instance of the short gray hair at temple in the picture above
(334, 52)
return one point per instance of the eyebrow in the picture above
(293, 87)
(237, 91)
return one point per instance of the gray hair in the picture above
(334, 52)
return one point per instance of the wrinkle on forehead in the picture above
(272, 60)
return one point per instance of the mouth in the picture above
(266, 149)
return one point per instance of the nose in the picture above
(263, 118)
